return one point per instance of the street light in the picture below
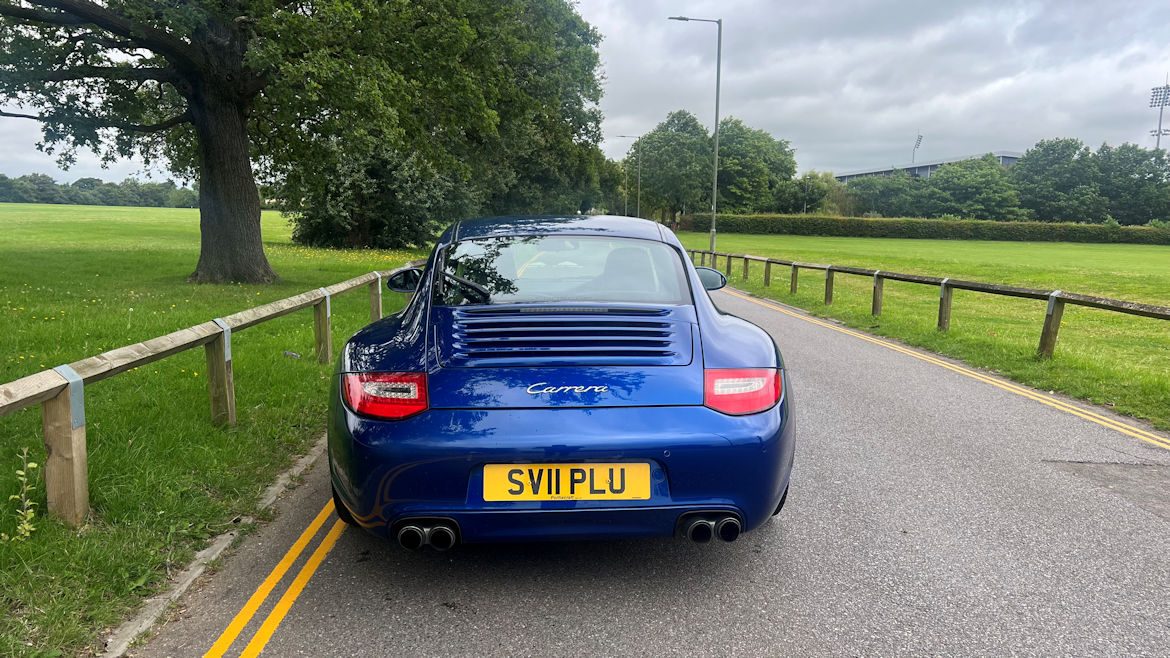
(638, 155)
(718, 65)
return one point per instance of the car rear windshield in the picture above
(532, 268)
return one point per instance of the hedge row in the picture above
(936, 229)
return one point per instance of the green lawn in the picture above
(1121, 361)
(78, 280)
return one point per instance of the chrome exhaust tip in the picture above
(700, 531)
(441, 538)
(411, 537)
(728, 528)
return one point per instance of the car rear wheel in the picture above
(342, 510)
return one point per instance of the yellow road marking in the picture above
(264, 633)
(1119, 426)
(257, 599)
(525, 265)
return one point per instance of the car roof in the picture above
(610, 225)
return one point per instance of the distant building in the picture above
(925, 169)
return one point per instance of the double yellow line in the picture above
(1091, 416)
(272, 621)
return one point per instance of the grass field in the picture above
(78, 280)
(1121, 361)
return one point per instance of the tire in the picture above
(783, 499)
(342, 511)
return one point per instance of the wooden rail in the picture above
(1056, 298)
(60, 391)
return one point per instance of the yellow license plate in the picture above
(628, 481)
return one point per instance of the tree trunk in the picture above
(229, 203)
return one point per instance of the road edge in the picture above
(118, 642)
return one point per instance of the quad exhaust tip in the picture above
(728, 528)
(701, 531)
(439, 536)
(412, 537)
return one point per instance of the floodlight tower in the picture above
(1159, 98)
(914, 152)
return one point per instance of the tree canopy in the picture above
(753, 165)
(1057, 181)
(977, 187)
(675, 161)
(1135, 182)
(535, 65)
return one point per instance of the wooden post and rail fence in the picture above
(1056, 298)
(60, 391)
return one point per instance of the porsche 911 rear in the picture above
(559, 380)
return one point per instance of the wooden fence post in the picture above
(878, 284)
(828, 285)
(221, 385)
(767, 273)
(944, 305)
(66, 467)
(745, 268)
(322, 331)
(1051, 325)
(703, 258)
(376, 298)
(727, 270)
(792, 286)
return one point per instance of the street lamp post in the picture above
(718, 67)
(638, 156)
(626, 188)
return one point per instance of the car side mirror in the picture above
(711, 278)
(405, 281)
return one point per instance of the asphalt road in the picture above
(934, 510)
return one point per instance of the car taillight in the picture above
(393, 395)
(741, 391)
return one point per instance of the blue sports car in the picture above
(559, 378)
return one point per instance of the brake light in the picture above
(741, 391)
(393, 395)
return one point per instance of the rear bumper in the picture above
(431, 465)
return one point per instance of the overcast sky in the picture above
(850, 83)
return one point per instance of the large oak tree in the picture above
(225, 91)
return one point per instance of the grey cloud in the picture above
(850, 83)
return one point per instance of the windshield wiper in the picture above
(484, 295)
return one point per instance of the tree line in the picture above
(1057, 180)
(40, 188)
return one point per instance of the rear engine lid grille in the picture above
(560, 336)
